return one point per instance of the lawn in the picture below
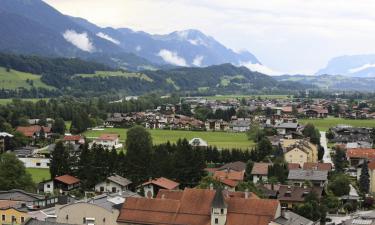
(39, 175)
(4, 101)
(15, 79)
(219, 139)
(325, 124)
(225, 97)
(117, 74)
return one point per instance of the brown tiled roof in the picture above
(31, 130)
(194, 208)
(297, 194)
(72, 137)
(237, 166)
(5, 204)
(371, 165)
(108, 137)
(67, 179)
(260, 169)
(287, 109)
(365, 153)
(293, 166)
(163, 182)
(232, 175)
(317, 166)
(228, 182)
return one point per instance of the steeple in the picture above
(219, 209)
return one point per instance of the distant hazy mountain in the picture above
(353, 66)
(333, 82)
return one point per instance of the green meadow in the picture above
(325, 124)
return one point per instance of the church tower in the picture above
(219, 209)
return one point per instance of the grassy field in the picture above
(39, 175)
(325, 124)
(117, 74)
(15, 79)
(219, 139)
(4, 101)
(225, 97)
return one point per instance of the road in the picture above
(327, 151)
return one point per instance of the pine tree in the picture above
(364, 179)
(59, 161)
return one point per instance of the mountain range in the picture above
(34, 27)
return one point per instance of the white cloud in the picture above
(261, 68)
(198, 60)
(138, 48)
(80, 40)
(108, 38)
(357, 69)
(172, 57)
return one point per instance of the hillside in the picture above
(14, 79)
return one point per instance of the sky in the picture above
(287, 36)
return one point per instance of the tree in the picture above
(207, 181)
(312, 133)
(59, 160)
(364, 179)
(279, 171)
(13, 174)
(339, 160)
(255, 133)
(139, 154)
(59, 126)
(249, 167)
(264, 149)
(311, 208)
(340, 185)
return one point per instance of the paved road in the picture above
(327, 151)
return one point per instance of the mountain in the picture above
(181, 48)
(333, 82)
(352, 66)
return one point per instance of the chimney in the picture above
(246, 193)
(211, 186)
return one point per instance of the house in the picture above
(316, 177)
(291, 218)
(114, 183)
(290, 195)
(234, 166)
(229, 178)
(4, 139)
(216, 125)
(240, 125)
(12, 212)
(286, 128)
(45, 187)
(260, 172)
(357, 156)
(299, 151)
(198, 142)
(31, 200)
(317, 166)
(36, 162)
(34, 131)
(66, 182)
(316, 113)
(108, 141)
(152, 187)
(367, 218)
(199, 207)
(74, 139)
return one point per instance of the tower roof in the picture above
(219, 201)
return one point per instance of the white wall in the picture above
(36, 162)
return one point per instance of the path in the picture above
(327, 151)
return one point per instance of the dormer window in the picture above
(216, 220)
(222, 211)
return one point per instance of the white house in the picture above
(198, 142)
(108, 141)
(113, 184)
(260, 172)
(36, 162)
(152, 187)
(45, 187)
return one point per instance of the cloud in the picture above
(261, 68)
(108, 38)
(198, 60)
(80, 40)
(357, 69)
(138, 48)
(172, 57)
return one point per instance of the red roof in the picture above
(163, 182)
(31, 130)
(108, 137)
(287, 109)
(371, 165)
(193, 207)
(228, 182)
(365, 153)
(72, 137)
(260, 169)
(67, 179)
(293, 166)
(232, 175)
(317, 166)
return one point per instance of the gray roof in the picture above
(313, 175)
(291, 218)
(287, 125)
(237, 166)
(119, 180)
(19, 195)
(32, 221)
(218, 201)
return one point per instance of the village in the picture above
(293, 173)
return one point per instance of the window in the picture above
(48, 164)
(113, 189)
(101, 189)
(3, 217)
(84, 220)
(222, 211)
(216, 220)
(14, 219)
(22, 219)
(37, 164)
(48, 185)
